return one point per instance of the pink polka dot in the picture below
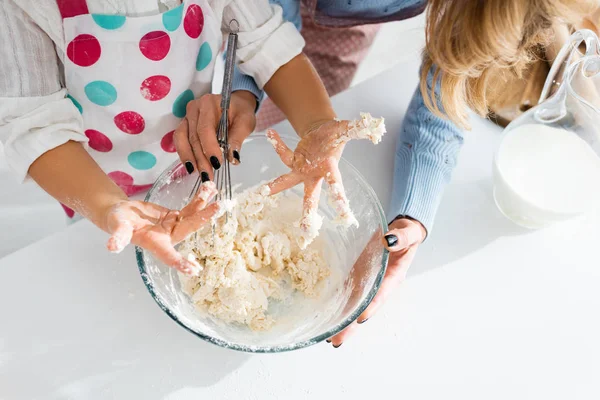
(121, 178)
(125, 182)
(155, 45)
(130, 122)
(70, 213)
(193, 23)
(84, 50)
(167, 143)
(98, 141)
(156, 87)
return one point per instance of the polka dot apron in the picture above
(131, 79)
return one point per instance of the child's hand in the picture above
(196, 137)
(158, 229)
(316, 158)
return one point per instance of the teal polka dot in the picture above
(109, 21)
(76, 103)
(101, 93)
(204, 57)
(172, 18)
(141, 160)
(181, 103)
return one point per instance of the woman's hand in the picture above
(158, 229)
(196, 136)
(402, 240)
(316, 159)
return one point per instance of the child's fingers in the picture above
(191, 223)
(120, 237)
(312, 193)
(166, 253)
(338, 198)
(284, 152)
(206, 193)
(311, 221)
(284, 182)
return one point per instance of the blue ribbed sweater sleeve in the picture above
(426, 153)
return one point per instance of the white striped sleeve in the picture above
(35, 116)
(266, 40)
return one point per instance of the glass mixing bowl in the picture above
(355, 255)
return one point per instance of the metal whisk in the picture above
(222, 176)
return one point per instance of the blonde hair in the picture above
(470, 41)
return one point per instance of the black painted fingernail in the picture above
(335, 347)
(236, 155)
(215, 162)
(328, 340)
(189, 167)
(204, 176)
(391, 240)
(362, 321)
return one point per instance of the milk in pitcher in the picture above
(544, 174)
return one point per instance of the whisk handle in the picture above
(229, 65)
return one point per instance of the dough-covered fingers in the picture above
(366, 127)
(284, 152)
(191, 223)
(311, 221)
(206, 193)
(164, 251)
(338, 199)
(120, 237)
(284, 182)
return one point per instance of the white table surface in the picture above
(489, 311)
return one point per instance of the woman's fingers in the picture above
(284, 152)
(405, 234)
(120, 237)
(339, 339)
(191, 223)
(398, 266)
(206, 129)
(395, 274)
(183, 146)
(284, 182)
(243, 122)
(201, 111)
(338, 199)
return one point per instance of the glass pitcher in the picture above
(547, 167)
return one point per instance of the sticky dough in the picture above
(255, 258)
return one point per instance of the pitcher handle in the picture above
(565, 56)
